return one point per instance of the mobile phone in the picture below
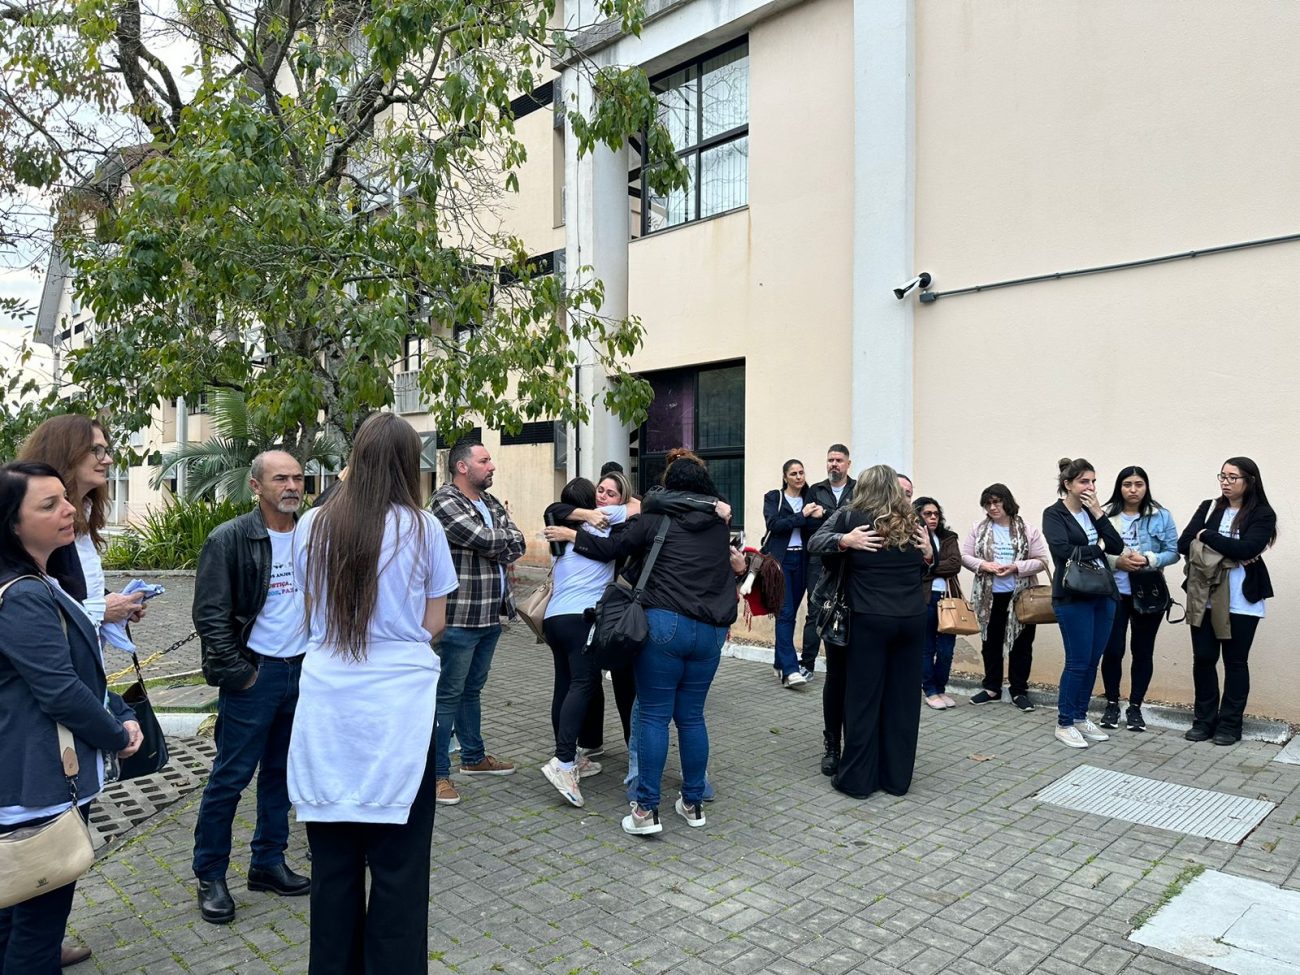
(738, 540)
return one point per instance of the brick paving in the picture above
(966, 874)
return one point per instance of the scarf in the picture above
(981, 593)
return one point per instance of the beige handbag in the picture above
(35, 860)
(955, 613)
(1033, 604)
(532, 608)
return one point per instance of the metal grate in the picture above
(1164, 805)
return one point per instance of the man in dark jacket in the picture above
(828, 495)
(248, 612)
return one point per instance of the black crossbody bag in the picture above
(619, 629)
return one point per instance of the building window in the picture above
(705, 105)
(703, 409)
(413, 352)
(197, 405)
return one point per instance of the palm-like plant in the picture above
(220, 465)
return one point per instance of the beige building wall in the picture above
(1058, 136)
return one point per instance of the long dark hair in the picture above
(919, 504)
(63, 442)
(580, 493)
(348, 535)
(785, 469)
(1254, 496)
(1115, 504)
(15, 560)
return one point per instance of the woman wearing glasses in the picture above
(77, 447)
(1233, 530)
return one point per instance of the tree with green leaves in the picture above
(320, 180)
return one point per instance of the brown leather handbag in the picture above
(955, 613)
(1033, 604)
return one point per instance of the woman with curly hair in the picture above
(887, 552)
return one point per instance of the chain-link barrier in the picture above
(114, 678)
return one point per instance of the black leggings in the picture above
(1212, 712)
(1142, 646)
(833, 694)
(576, 674)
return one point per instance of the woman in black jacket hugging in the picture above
(1236, 527)
(887, 552)
(1076, 529)
(784, 511)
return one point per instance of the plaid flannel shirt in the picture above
(480, 554)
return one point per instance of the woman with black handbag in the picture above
(1083, 593)
(51, 679)
(1150, 544)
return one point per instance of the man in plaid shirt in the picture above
(483, 542)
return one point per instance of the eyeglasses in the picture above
(100, 451)
(1230, 478)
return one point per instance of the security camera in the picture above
(923, 279)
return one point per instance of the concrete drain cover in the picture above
(1164, 805)
(1229, 923)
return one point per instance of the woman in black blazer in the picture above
(1239, 525)
(1077, 527)
(784, 511)
(50, 674)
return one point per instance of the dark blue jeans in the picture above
(466, 656)
(673, 675)
(936, 657)
(31, 933)
(252, 735)
(1085, 631)
(792, 568)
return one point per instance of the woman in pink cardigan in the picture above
(1006, 554)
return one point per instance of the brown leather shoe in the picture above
(73, 955)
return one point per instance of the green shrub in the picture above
(170, 537)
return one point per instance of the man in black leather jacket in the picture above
(248, 612)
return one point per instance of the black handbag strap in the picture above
(644, 577)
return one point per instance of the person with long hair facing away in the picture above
(1076, 528)
(888, 551)
(1150, 543)
(1006, 553)
(1234, 530)
(936, 657)
(784, 511)
(375, 571)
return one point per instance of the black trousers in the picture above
(1212, 712)
(812, 640)
(1142, 646)
(576, 677)
(1021, 658)
(31, 933)
(389, 934)
(833, 693)
(882, 716)
(593, 729)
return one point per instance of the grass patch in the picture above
(1172, 890)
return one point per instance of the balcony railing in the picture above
(407, 396)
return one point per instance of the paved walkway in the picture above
(967, 874)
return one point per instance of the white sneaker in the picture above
(795, 679)
(1069, 735)
(565, 781)
(586, 766)
(1091, 731)
(592, 752)
(642, 822)
(694, 815)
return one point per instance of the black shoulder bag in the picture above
(829, 602)
(619, 629)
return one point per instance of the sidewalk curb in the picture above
(1168, 717)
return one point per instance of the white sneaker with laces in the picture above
(1091, 731)
(1069, 735)
(565, 781)
(694, 815)
(586, 766)
(642, 822)
(795, 679)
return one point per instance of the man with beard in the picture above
(483, 542)
(248, 612)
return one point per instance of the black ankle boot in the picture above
(831, 759)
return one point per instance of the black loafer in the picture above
(1226, 738)
(215, 903)
(279, 880)
(1197, 733)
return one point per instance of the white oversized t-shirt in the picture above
(796, 534)
(577, 581)
(280, 630)
(1004, 553)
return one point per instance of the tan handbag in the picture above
(532, 608)
(955, 613)
(1033, 604)
(35, 860)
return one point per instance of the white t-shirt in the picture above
(1089, 529)
(577, 581)
(1128, 530)
(280, 630)
(92, 568)
(839, 491)
(796, 535)
(1004, 551)
(1237, 601)
(939, 585)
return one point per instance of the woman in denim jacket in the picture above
(1150, 542)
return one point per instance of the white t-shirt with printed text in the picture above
(280, 629)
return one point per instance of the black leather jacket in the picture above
(229, 591)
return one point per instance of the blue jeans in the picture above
(1085, 631)
(252, 735)
(793, 567)
(634, 722)
(936, 656)
(673, 674)
(466, 656)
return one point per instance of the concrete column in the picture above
(596, 242)
(884, 204)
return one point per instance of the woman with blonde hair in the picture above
(883, 551)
